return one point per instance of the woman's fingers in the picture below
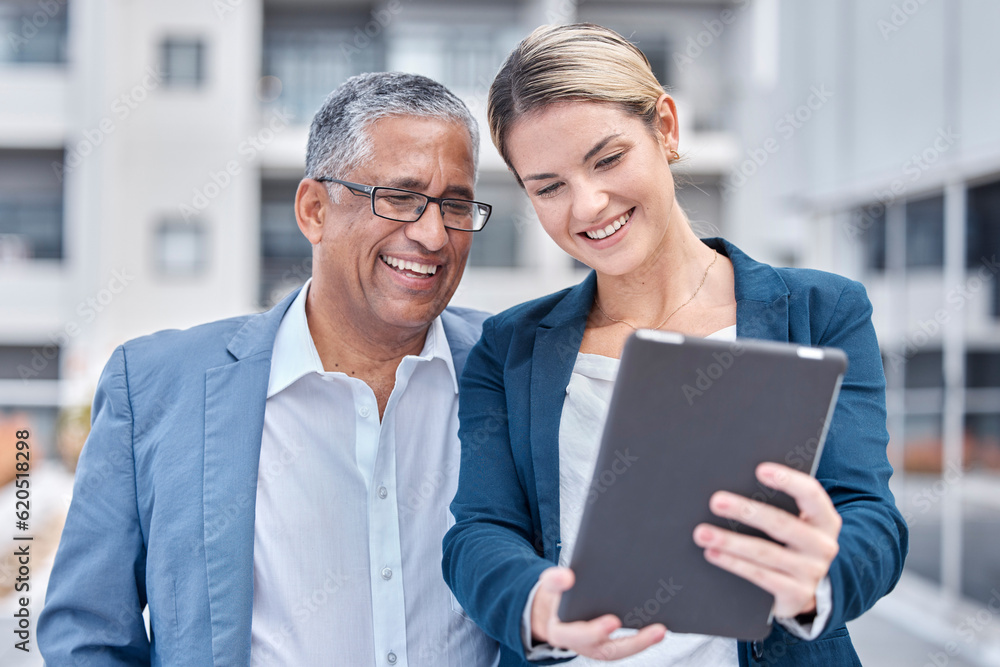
(792, 595)
(788, 529)
(593, 638)
(807, 544)
(623, 647)
(815, 506)
(762, 552)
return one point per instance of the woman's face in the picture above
(599, 180)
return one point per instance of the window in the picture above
(31, 205)
(925, 233)
(867, 227)
(983, 231)
(33, 32)
(285, 254)
(982, 370)
(183, 62)
(26, 362)
(924, 370)
(982, 433)
(181, 248)
(312, 52)
(657, 51)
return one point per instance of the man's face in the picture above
(359, 255)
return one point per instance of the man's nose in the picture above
(429, 230)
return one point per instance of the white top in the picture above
(351, 512)
(585, 409)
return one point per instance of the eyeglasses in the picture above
(407, 206)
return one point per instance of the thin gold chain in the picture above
(698, 289)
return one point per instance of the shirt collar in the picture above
(294, 354)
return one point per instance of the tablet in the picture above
(693, 416)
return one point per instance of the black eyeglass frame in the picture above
(361, 190)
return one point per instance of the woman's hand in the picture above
(791, 572)
(587, 638)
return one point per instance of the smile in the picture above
(612, 227)
(408, 267)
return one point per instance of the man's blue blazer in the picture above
(163, 503)
(512, 393)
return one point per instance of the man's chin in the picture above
(410, 317)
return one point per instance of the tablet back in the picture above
(693, 416)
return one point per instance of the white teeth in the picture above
(611, 228)
(407, 265)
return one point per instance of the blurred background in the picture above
(150, 151)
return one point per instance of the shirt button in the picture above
(391, 658)
(382, 492)
(386, 573)
(364, 411)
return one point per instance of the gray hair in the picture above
(338, 136)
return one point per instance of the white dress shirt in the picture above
(351, 512)
(585, 408)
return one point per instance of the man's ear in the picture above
(666, 123)
(311, 207)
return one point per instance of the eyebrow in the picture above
(407, 183)
(598, 147)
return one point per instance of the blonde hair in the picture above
(582, 61)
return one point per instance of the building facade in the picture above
(149, 155)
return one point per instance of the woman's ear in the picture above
(666, 123)
(311, 204)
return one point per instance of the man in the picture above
(275, 487)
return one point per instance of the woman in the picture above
(587, 130)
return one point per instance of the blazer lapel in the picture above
(557, 342)
(235, 397)
(761, 295)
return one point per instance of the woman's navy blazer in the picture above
(511, 400)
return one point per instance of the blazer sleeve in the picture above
(490, 561)
(854, 468)
(96, 593)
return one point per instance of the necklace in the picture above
(697, 289)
